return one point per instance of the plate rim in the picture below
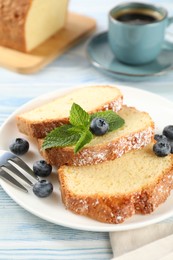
(104, 227)
(97, 65)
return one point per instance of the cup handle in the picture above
(168, 45)
(170, 20)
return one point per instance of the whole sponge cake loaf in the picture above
(41, 120)
(137, 131)
(25, 24)
(113, 191)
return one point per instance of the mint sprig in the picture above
(78, 131)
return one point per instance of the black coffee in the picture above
(136, 18)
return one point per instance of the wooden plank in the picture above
(76, 28)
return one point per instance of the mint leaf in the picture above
(84, 139)
(78, 116)
(114, 120)
(61, 137)
(77, 132)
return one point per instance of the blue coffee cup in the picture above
(136, 32)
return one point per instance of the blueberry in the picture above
(168, 131)
(42, 188)
(42, 168)
(160, 137)
(99, 126)
(19, 146)
(162, 148)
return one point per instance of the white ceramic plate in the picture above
(51, 208)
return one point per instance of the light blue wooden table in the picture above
(23, 235)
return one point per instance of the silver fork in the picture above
(15, 171)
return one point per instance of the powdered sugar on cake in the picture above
(114, 150)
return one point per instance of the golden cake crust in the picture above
(13, 14)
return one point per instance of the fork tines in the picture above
(14, 170)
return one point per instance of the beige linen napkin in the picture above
(154, 242)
